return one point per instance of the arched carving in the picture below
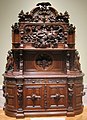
(43, 13)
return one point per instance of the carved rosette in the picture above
(43, 61)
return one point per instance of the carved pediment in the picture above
(43, 13)
(44, 27)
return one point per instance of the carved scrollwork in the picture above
(43, 13)
(63, 18)
(43, 36)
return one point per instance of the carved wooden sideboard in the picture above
(43, 74)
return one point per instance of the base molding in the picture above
(23, 114)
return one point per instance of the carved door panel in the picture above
(10, 96)
(57, 96)
(33, 97)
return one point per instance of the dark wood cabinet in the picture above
(43, 75)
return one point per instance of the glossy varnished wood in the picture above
(43, 75)
(82, 116)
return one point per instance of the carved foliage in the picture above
(43, 13)
(43, 36)
(15, 28)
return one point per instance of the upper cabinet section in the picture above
(43, 28)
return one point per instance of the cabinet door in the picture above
(11, 96)
(57, 96)
(33, 97)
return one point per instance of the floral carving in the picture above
(43, 13)
(52, 28)
(43, 61)
(43, 36)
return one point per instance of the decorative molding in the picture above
(85, 86)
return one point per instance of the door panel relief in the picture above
(34, 97)
(57, 96)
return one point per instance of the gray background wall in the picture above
(9, 10)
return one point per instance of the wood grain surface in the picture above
(82, 116)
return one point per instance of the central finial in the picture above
(44, 4)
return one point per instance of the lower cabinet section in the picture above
(40, 97)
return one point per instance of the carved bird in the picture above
(44, 4)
